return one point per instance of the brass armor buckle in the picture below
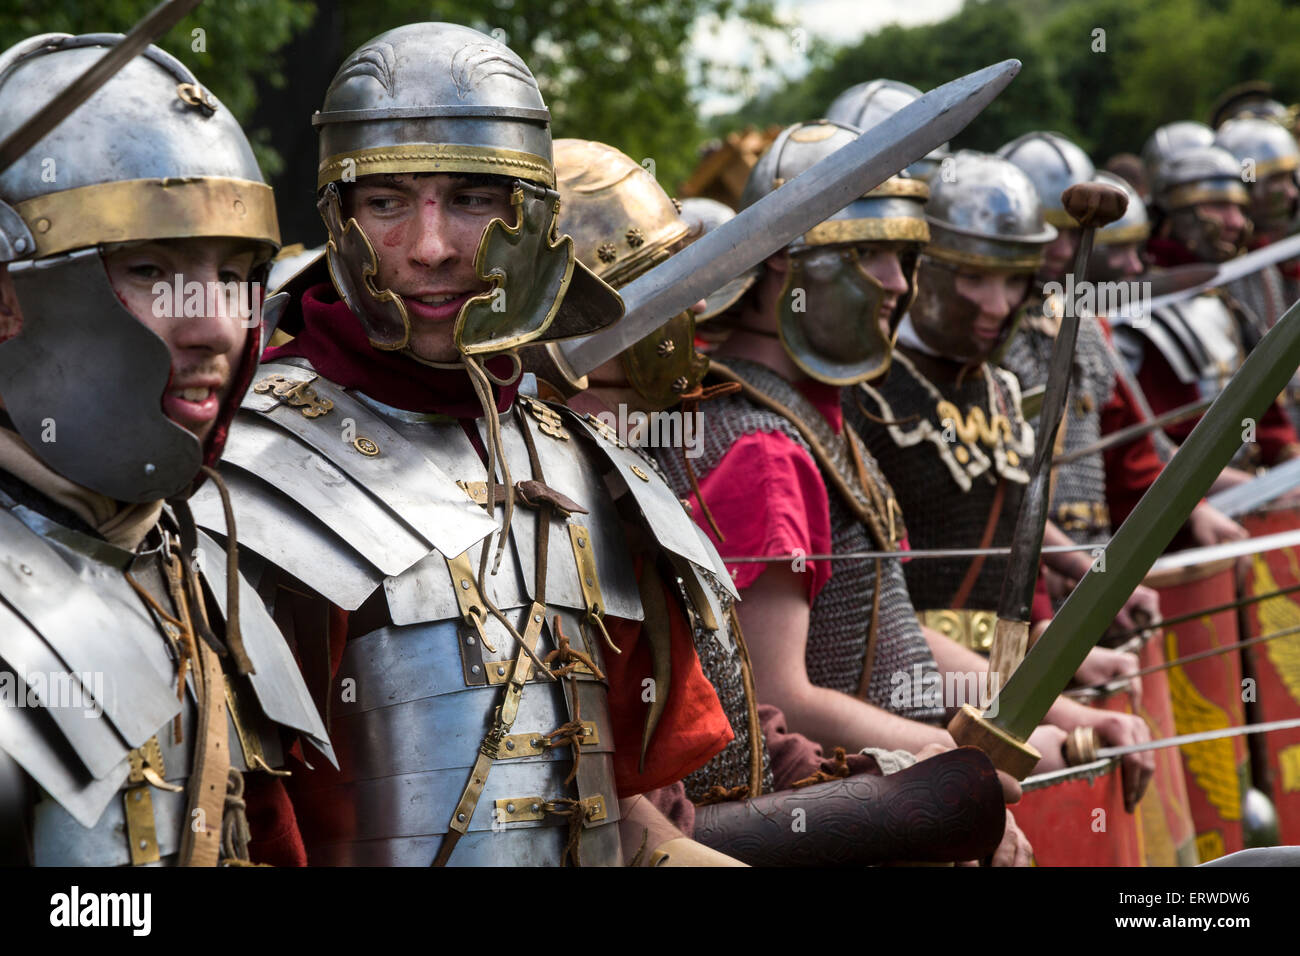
(585, 559)
(299, 395)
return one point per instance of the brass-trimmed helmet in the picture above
(151, 155)
(1166, 142)
(623, 224)
(442, 98)
(1133, 226)
(984, 215)
(869, 104)
(829, 310)
(1053, 164)
(1268, 152)
(1200, 174)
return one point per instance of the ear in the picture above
(11, 315)
(779, 261)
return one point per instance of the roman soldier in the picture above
(1098, 403)
(604, 194)
(945, 425)
(1189, 349)
(1267, 151)
(129, 235)
(484, 586)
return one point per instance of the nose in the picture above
(1233, 219)
(994, 299)
(431, 247)
(890, 275)
(1131, 264)
(230, 310)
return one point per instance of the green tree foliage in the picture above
(235, 49)
(1106, 72)
(926, 56)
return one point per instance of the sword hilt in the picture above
(1081, 746)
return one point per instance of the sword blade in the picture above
(1090, 609)
(1199, 737)
(1107, 757)
(1227, 549)
(1131, 432)
(155, 23)
(775, 220)
(1233, 269)
(1250, 495)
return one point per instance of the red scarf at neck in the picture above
(334, 342)
(1166, 253)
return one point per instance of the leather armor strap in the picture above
(977, 564)
(522, 670)
(201, 840)
(813, 429)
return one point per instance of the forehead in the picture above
(421, 182)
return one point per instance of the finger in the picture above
(1024, 852)
(1006, 851)
(1011, 792)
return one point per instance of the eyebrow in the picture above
(400, 181)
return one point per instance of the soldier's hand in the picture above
(1208, 525)
(1103, 665)
(1014, 850)
(1119, 730)
(1141, 608)
(1047, 739)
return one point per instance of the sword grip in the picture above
(1080, 746)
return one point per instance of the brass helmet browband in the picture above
(442, 98)
(623, 224)
(150, 155)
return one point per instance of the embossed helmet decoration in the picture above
(151, 155)
(870, 104)
(623, 224)
(442, 98)
(986, 217)
(829, 311)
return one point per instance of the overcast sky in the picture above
(837, 22)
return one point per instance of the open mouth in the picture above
(437, 308)
(191, 406)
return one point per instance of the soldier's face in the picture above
(1119, 261)
(1273, 201)
(426, 231)
(1226, 218)
(881, 261)
(195, 295)
(1059, 257)
(995, 295)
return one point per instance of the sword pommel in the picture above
(1093, 205)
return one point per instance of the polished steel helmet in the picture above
(1252, 98)
(829, 309)
(703, 215)
(1267, 147)
(1200, 174)
(986, 213)
(151, 155)
(1053, 164)
(623, 224)
(1268, 157)
(1165, 143)
(442, 98)
(1133, 226)
(870, 104)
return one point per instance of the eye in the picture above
(382, 203)
(475, 200)
(145, 271)
(233, 275)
